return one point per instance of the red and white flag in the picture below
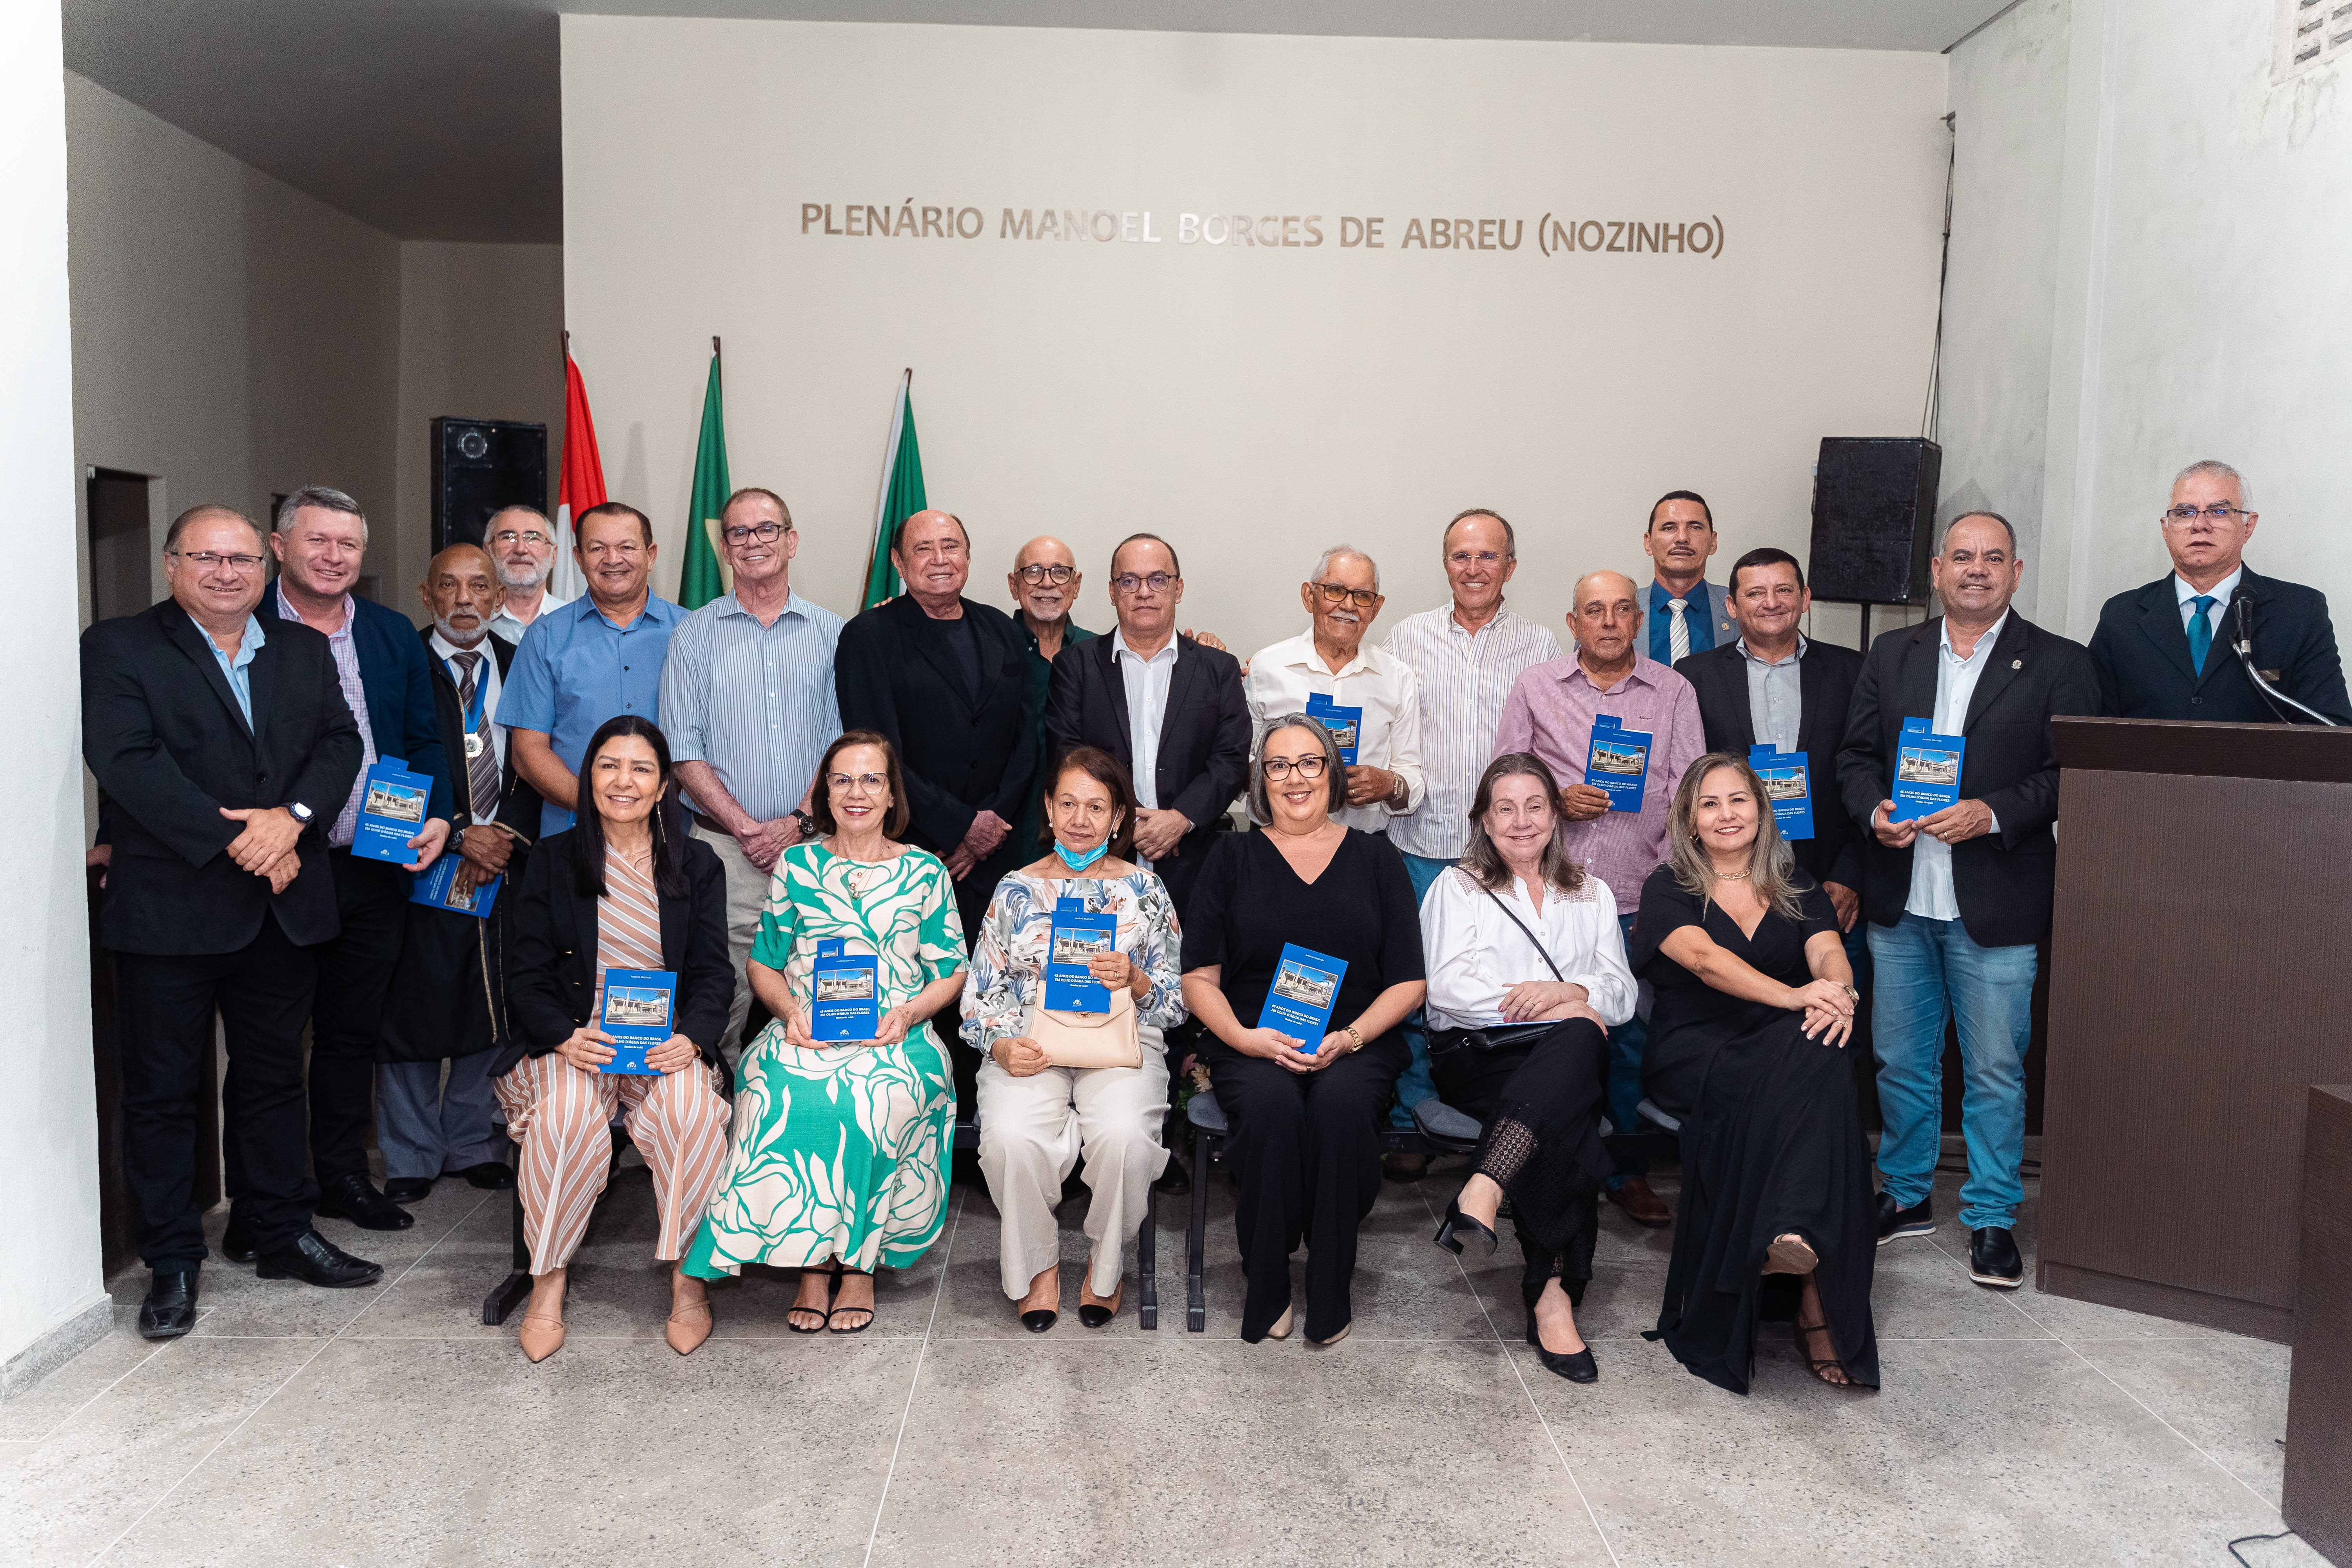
(582, 485)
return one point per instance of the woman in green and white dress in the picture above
(839, 1159)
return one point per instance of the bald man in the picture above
(1550, 713)
(1044, 583)
(448, 997)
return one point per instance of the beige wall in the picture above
(1253, 405)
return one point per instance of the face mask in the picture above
(1080, 862)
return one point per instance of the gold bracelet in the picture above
(1355, 1037)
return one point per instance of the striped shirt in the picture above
(347, 675)
(754, 702)
(1465, 679)
(628, 921)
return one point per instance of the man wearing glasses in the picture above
(748, 704)
(522, 543)
(1330, 661)
(1044, 582)
(2168, 650)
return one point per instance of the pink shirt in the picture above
(1550, 713)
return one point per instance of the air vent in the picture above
(2312, 33)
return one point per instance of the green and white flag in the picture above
(704, 575)
(901, 494)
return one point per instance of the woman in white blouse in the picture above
(1527, 976)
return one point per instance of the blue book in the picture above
(1306, 988)
(1078, 934)
(1788, 786)
(391, 812)
(438, 889)
(1344, 723)
(1618, 763)
(1927, 772)
(637, 1017)
(846, 993)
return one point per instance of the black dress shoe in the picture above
(407, 1189)
(354, 1197)
(1403, 1167)
(1993, 1259)
(236, 1242)
(1579, 1367)
(490, 1175)
(169, 1309)
(1173, 1181)
(1893, 1220)
(313, 1259)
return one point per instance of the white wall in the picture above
(1253, 403)
(49, 1268)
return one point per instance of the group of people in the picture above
(716, 794)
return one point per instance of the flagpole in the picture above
(889, 462)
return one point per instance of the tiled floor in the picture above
(388, 1426)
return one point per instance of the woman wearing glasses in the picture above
(1301, 1108)
(840, 1153)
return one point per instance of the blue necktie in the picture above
(2200, 631)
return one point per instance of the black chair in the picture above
(510, 1290)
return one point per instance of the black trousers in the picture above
(263, 993)
(354, 973)
(1306, 1147)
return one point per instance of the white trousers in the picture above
(1031, 1131)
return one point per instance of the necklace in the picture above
(1733, 876)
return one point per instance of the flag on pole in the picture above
(581, 484)
(902, 494)
(703, 577)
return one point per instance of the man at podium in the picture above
(2168, 650)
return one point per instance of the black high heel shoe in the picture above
(1578, 1368)
(1458, 1225)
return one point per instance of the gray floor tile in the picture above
(2226, 1395)
(2071, 1320)
(35, 1412)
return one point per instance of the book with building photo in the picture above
(1788, 786)
(1078, 934)
(1617, 763)
(438, 889)
(1305, 987)
(1346, 725)
(391, 812)
(845, 1002)
(1926, 771)
(636, 1017)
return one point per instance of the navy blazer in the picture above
(397, 678)
(2141, 652)
(1825, 678)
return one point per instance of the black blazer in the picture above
(1205, 737)
(962, 751)
(2003, 881)
(1825, 678)
(162, 733)
(2141, 652)
(521, 802)
(551, 964)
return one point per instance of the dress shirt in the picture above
(755, 702)
(1776, 698)
(2220, 591)
(1933, 896)
(507, 626)
(347, 672)
(239, 670)
(576, 669)
(1474, 955)
(1698, 617)
(486, 684)
(1283, 677)
(1465, 678)
(1550, 713)
(1147, 682)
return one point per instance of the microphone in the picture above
(2242, 606)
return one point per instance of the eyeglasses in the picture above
(765, 532)
(2218, 515)
(508, 536)
(205, 560)
(1037, 572)
(1362, 598)
(1474, 558)
(1280, 768)
(1128, 582)
(859, 784)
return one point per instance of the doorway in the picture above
(122, 544)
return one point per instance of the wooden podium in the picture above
(2201, 984)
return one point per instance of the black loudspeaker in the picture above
(479, 466)
(1874, 518)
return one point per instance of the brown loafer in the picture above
(687, 1327)
(539, 1337)
(1642, 1205)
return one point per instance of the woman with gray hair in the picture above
(1753, 1006)
(1301, 1106)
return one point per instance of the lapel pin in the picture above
(2017, 664)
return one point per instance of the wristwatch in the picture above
(301, 813)
(808, 823)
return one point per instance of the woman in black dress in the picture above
(1304, 1143)
(1754, 1005)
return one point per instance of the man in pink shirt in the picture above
(1550, 712)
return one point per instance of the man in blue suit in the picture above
(1687, 615)
(319, 542)
(2167, 651)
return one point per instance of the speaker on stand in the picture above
(1875, 521)
(480, 465)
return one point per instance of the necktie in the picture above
(1677, 631)
(2200, 631)
(481, 757)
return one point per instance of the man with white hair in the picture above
(522, 543)
(2168, 650)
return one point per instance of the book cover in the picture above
(1618, 763)
(391, 812)
(1927, 772)
(1078, 934)
(636, 1015)
(1346, 724)
(438, 889)
(1306, 988)
(1788, 786)
(846, 987)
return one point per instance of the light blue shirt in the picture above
(239, 670)
(754, 702)
(576, 669)
(2220, 593)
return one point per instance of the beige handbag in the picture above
(1090, 1039)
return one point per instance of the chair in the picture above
(1147, 1265)
(510, 1290)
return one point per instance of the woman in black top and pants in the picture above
(1304, 1139)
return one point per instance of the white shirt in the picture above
(507, 626)
(2220, 591)
(1465, 677)
(486, 675)
(1932, 897)
(1147, 682)
(1474, 954)
(1283, 677)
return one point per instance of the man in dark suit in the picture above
(2167, 651)
(221, 748)
(1168, 707)
(1774, 686)
(1958, 898)
(319, 542)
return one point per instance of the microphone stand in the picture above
(2244, 648)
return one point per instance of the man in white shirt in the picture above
(523, 544)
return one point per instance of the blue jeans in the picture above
(1625, 1044)
(1416, 1086)
(1926, 971)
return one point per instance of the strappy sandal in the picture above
(1791, 1254)
(838, 1275)
(822, 1314)
(1821, 1362)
